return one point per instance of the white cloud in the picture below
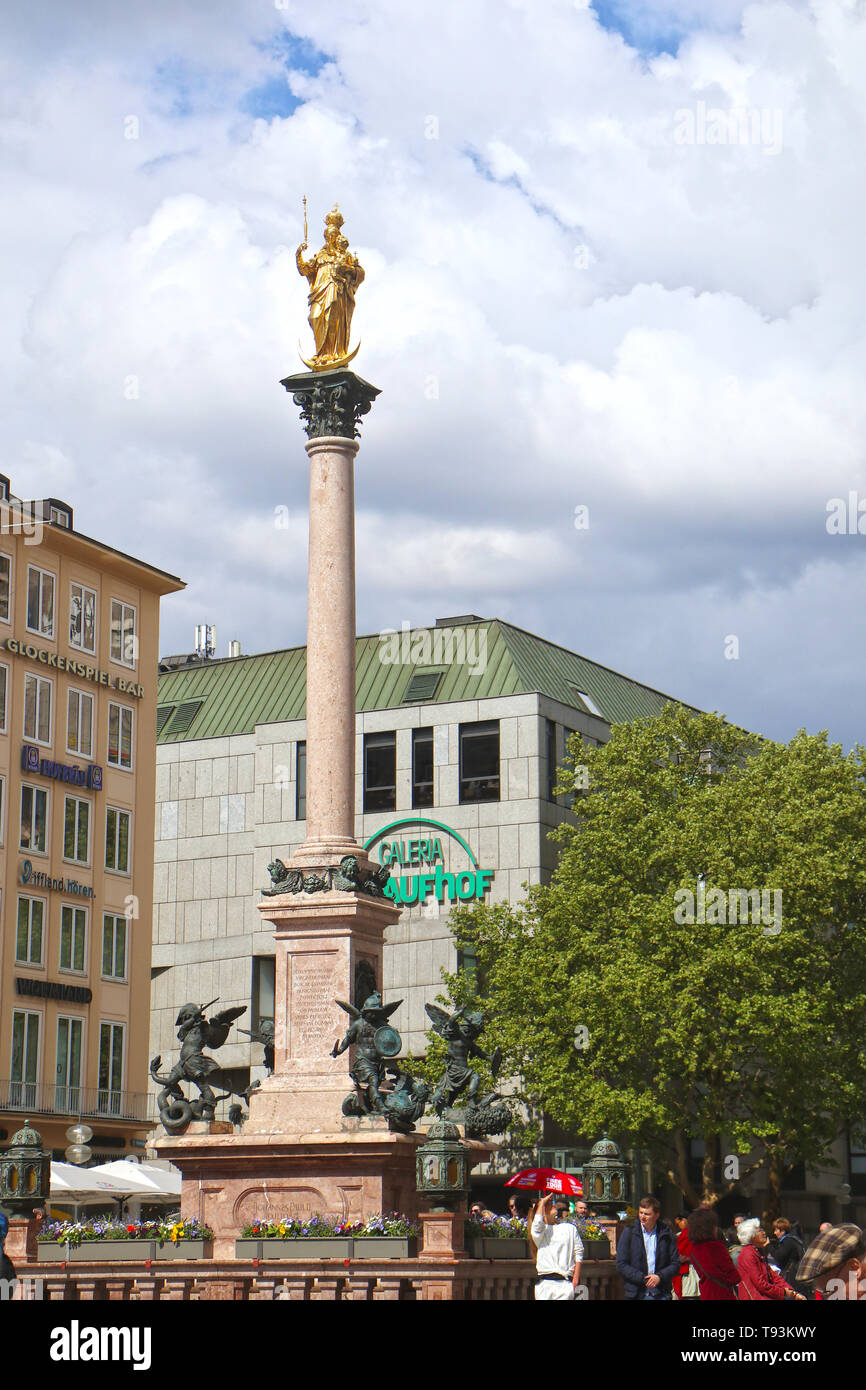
(566, 303)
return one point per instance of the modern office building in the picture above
(460, 729)
(79, 635)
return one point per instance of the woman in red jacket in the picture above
(683, 1248)
(708, 1254)
(758, 1279)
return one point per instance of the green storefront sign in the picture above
(412, 849)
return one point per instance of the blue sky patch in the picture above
(274, 98)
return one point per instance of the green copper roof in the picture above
(237, 693)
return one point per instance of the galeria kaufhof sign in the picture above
(74, 668)
(413, 850)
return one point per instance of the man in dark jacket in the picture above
(646, 1255)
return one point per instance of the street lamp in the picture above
(25, 1172)
(441, 1167)
(78, 1151)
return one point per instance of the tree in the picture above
(697, 966)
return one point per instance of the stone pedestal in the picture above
(20, 1242)
(327, 946)
(230, 1180)
(443, 1235)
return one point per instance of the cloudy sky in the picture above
(615, 262)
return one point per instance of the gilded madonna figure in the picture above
(334, 274)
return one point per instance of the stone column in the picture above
(331, 651)
(329, 932)
(332, 404)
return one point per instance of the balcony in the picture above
(35, 1098)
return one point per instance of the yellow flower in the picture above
(282, 1228)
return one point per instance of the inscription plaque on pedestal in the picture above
(312, 1011)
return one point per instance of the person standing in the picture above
(787, 1250)
(683, 1248)
(835, 1263)
(646, 1255)
(758, 1279)
(709, 1256)
(7, 1268)
(559, 1247)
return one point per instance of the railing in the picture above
(312, 1281)
(38, 1098)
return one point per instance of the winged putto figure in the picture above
(195, 1032)
(375, 1043)
(461, 1031)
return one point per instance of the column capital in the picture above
(332, 403)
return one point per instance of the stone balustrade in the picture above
(302, 1280)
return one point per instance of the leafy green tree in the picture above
(622, 1015)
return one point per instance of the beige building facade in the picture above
(79, 632)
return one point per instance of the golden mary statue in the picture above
(334, 275)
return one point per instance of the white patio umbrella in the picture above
(86, 1185)
(142, 1179)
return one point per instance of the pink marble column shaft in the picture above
(331, 652)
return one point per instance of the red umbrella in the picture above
(547, 1180)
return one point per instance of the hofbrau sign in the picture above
(415, 849)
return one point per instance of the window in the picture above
(76, 830)
(124, 644)
(589, 702)
(479, 761)
(60, 516)
(422, 767)
(40, 601)
(110, 1097)
(120, 736)
(4, 687)
(82, 618)
(67, 1096)
(28, 939)
(5, 588)
(301, 782)
(550, 752)
(37, 709)
(79, 723)
(117, 839)
(113, 946)
(73, 934)
(263, 990)
(34, 817)
(380, 772)
(25, 1058)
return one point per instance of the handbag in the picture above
(691, 1284)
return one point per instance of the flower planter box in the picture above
(596, 1249)
(97, 1250)
(248, 1249)
(185, 1250)
(491, 1248)
(296, 1248)
(385, 1247)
